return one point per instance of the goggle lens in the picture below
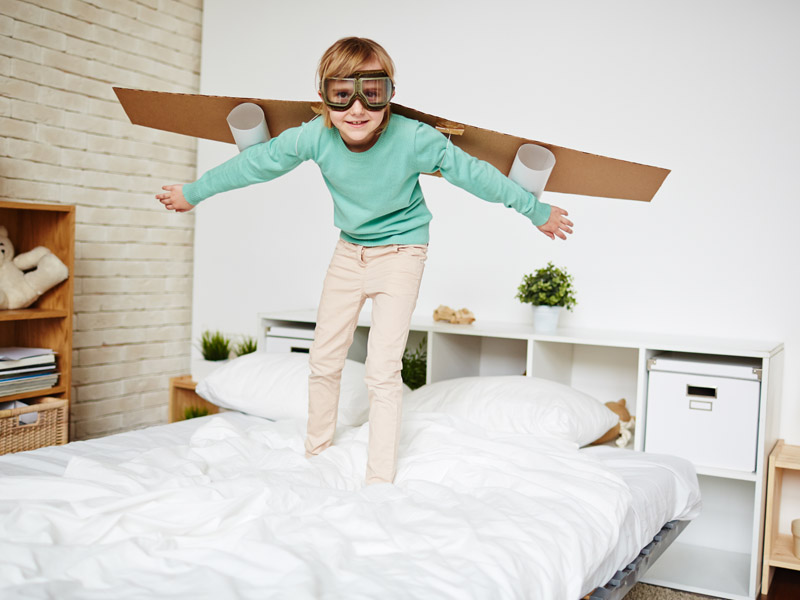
(378, 92)
(339, 92)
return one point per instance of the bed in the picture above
(494, 498)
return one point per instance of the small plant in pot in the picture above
(549, 290)
(415, 363)
(247, 345)
(215, 346)
(215, 349)
(192, 412)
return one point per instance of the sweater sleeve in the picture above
(476, 176)
(258, 163)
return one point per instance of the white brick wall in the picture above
(66, 139)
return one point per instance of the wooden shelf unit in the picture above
(29, 314)
(777, 546)
(48, 323)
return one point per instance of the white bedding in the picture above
(228, 507)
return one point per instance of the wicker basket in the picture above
(50, 427)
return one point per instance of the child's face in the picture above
(357, 125)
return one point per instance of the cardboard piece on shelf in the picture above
(575, 172)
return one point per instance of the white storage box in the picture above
(704, 408)
(289, 339)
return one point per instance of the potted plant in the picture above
(415, 365)
(192, 412)
(215, 349)
(248, 345)
(549, 290)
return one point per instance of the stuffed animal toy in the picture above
(462, 316)
(24, 278)
(622, 431)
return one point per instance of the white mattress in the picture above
(227, 506)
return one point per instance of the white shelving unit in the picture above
(720, 553)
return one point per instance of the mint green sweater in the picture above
(376, 194)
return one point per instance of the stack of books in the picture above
(26, 369)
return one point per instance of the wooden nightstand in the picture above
(778, 547)
(183, 396)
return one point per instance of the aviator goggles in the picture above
(373, 88)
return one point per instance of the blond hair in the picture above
(343, 58)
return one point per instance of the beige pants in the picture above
(390, 276)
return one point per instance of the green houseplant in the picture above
(192, 412)
(215, 349)
(248, 345)
(215, 346)
(414, 370)
(549, 290)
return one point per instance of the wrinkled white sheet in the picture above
(238, 512)
(663, 488)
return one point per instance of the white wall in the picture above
(707, 89)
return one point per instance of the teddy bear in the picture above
(622, 431)
(26, 277)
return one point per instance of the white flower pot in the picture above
(545, 318)
(202, 368)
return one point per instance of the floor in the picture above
(785, 586)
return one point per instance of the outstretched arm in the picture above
(487, 182)
(261, 162)
(557, 225)
(172, 198)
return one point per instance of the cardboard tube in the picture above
(248, 125)
(532, 167)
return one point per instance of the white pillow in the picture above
(275, 386)
(517, 404)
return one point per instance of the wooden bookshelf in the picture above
(48, 322)
(28, 314)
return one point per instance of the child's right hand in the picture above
(173, 199)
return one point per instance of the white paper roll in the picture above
(248, 125)
(532, 167)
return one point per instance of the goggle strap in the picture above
(366, 74)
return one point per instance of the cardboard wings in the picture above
(575, 172)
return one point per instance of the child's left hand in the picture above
(557, 225)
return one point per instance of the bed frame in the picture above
(622, 581)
